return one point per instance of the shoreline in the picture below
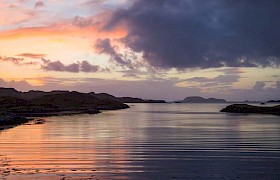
(11, 119)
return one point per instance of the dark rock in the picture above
(39, 121)
(245, 108)
(274, 101)
(7, 119)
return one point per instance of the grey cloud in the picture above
(103, 46)
(87, 67)
(17, 61)
(39, 4)
(259, 85)
(218, 80)
(93, 3)
(83, 22)
(130, 75)
(230, 71)
(83, 66)
(202, 33)
(11, 59)
(278, 84)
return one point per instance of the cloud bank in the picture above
(77, 67)
(202, 34)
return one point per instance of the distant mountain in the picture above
(197, 99)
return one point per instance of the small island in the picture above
(245, 108)
(197, 99)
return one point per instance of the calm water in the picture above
(147, 141)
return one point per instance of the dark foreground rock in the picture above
(9, 119)
(245, 108)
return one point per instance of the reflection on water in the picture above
(147, 141)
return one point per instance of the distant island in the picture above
(197, 99)
(274, 101)
(245, 108)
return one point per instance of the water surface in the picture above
(147, 141)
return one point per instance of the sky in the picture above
(152, 49)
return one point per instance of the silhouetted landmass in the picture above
(15, 105)
(245, 108)
(125, 99)
(101, 96)
(197, 99)
(274, 101)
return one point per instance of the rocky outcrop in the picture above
(56, 103)
(10, 119)
(245, 108)
(197, 99)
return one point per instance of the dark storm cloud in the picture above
(203, 33)
(83, 66)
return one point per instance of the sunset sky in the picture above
(159, 49)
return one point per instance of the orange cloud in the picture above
(78, 26)
(32, 55)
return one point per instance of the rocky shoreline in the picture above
(245, 108)
(9, 120)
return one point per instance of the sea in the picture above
(146, 141)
